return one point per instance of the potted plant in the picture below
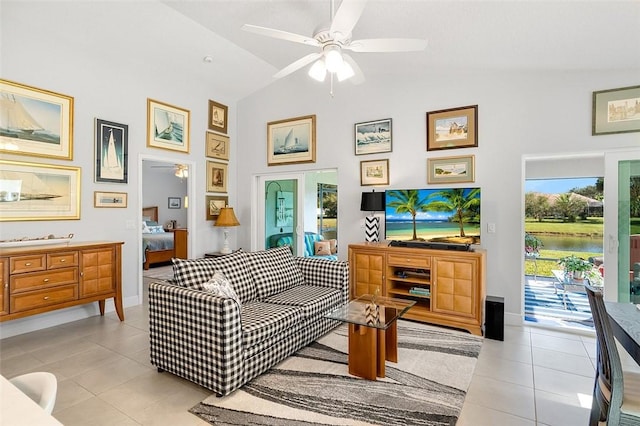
(532, 245)
(575, 266)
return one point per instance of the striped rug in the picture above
(542, 302)
(426, 387)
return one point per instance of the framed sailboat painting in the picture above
(291, 141)
(167, 126)
(112, 141)
(35, 121)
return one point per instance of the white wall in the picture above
(519, 114)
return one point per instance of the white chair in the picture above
(41, 387)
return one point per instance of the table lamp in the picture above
(372, 202)
(226, 219)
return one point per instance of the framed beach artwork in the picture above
(452, 128)
(217, 146)
(109, 199)
(218, 117)
(167, 126)
(214, 203)
(33, 191)
(374, 172)
(111, 151)
(216, 176)
(616, 111)
(451, 169)
(35, 121)
(373, 137)
(291, 141)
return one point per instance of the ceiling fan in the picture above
(333, 40)
(180, 170)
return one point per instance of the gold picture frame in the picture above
(616, 111)
(218, 116)
(291, 141)
(213, 205)
(460, 169)
(114, 200)
(34, 191)
(40, 123)
(452, 128)
(217, 146)
(374, 172)
(217, 176)
(167, 126)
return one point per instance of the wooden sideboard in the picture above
(447, 286)
(44, 278)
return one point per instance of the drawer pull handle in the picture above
(46, 280)
(27, 264)
(63, 260)
(46, 298)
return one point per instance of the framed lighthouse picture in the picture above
(111, 151)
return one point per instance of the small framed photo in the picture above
(35, 122)
(216, 177)
(373, 137)
(218, 117)
(451, 169)
(217, 146)
(111, 151)
(110, 199)
(374, 172)
(616, 111)
(214, 203)
(174, 202)
(167, 126)
(291, 141)
(452, 128)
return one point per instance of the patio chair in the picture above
(616, 395)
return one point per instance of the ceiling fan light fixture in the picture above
(333, 58)
(318, 70)
(345, 72)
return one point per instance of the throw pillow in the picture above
(274, 271)
(322, 248)
(334, 246)
(219, 285)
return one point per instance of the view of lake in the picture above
(586, 244)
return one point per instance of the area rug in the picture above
(159, 272)
(426, 387)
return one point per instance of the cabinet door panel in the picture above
(368, 275)
(4, 286)
(97, 272)
(455, 287)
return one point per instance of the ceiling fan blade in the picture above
(283, 35)
(346, 17)
(358, 76)
(295, 66)
(387, 45)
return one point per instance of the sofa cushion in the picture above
(193, 273)
(219, 285)
(273, 271)
(322, 248)
(261, 321)
(314, 300)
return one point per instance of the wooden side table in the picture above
(215, 254)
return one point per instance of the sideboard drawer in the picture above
(62, 260)
(37, 280)
(409, 261)
(32, 263)
(45, 297)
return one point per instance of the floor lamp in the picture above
(226, 219)
(372, 202)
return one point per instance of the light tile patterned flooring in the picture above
(535, 377)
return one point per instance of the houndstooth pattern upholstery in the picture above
(217, 344)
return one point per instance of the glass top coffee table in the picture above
(373, 338)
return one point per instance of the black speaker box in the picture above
(494, 318)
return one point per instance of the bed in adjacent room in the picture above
(158, 245)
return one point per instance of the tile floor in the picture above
(535, 377)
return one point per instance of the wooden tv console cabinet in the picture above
(447, 286)
(44, 278)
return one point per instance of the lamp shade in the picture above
(372, 202)
(227, 217)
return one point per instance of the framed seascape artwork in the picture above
(218, 117)
(33, 191)
(452, 128)
(214, 203)
(167, 126)
(111, 151)
(174, 202)
(451, 169)
(217, 146)
(35, 121)
(110, 199)
(373, 137)
(374, 172)
(291, 141)
(216, 176)
(616, 111)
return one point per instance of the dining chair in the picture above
(616, 394)
(40, 386)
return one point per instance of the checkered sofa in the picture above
(221, 344)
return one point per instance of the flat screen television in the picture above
(450, 215)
